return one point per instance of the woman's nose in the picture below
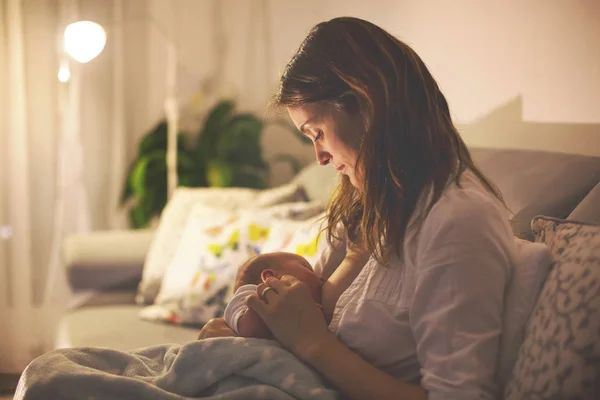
(323, 157)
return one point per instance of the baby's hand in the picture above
(216, 327)
(250, 325)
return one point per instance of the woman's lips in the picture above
(340, 167)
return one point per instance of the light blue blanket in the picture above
(216, 369)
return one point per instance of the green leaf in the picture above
(219, 174)
(248, 120)
(191, 170)
(138, 177)
(215, 122)
(240, 142)
(156, 199)
(157, 139)
(138, 218)
(127, 187)
(148, 171)
(249, 180)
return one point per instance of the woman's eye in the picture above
(319, 135)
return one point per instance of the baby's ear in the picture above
(267, 273)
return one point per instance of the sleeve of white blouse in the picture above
(463, 262)
(331, 256)
(237, 306)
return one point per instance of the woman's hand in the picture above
(216, 327)
(289, 311)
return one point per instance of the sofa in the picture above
(104, 268)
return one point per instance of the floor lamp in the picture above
(85, 40)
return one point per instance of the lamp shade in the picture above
(84, 40)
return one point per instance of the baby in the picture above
(325, 290)
(244, 321)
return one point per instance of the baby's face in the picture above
(296, 266)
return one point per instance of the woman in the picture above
(424, 316)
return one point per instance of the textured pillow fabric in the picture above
(532, 264)
(560, 356)
(199, 282)
(202, 269)
(538, 182)
(174, 217)
(308, 241)
(209, 238)
(589, 208)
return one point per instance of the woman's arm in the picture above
(354, 376)
(341, 279)
(299, 325)
(463, 264)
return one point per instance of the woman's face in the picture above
(335, 134)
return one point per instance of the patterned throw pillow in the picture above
(215, 242)
(175, 215)
(560, 357)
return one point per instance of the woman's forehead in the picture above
(308, 114)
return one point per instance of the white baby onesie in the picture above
(237, 305)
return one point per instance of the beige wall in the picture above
(519, 74)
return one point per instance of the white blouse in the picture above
(434, 317)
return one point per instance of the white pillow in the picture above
(215, 242)
(209, 235)
(532, 265)
(307, 239)
(175, 215)
(220, 240)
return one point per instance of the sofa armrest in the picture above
(106, 259)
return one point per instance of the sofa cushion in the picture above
(538, 182)
(560, 356)
(117, 327)
(589, 208)
(532, 263)
(91, 266)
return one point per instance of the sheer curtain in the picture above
(63, 149)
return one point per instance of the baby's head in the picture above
(257, 269)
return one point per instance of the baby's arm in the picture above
(251, 325)
(341, 278)
(241, 319)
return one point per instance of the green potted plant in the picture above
(226, 152)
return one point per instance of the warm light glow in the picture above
(64, 73)
(84, 40)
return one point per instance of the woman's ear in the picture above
(267, 273)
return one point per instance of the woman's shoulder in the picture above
(467, 196)
(467, 222)
(467, 208)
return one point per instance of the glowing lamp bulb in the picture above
(84, 40)
(64, 73)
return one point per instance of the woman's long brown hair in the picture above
(410, 143)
